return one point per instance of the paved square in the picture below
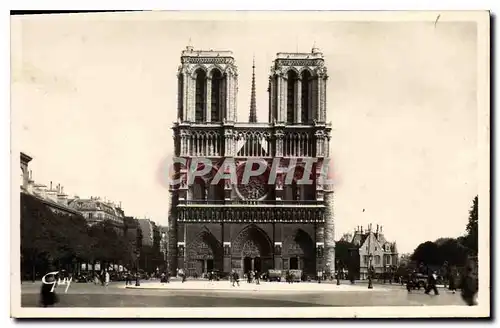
(222, 294)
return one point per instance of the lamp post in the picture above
(370, 272)
(137, 282)
(338, 273)
(163, 238)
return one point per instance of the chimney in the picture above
(377, 229)
(361, 229)
(50, 185)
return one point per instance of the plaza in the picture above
(199, 293)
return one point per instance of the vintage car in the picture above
(295, 275)
(418, 281)
(273, 275)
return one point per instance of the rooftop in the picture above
(190, 52)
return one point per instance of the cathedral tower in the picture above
(297, 109)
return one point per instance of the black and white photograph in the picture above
(183, 164)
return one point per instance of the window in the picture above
(306, 97)
(200, 95)
(377, 259)
(217, 96)
(290, 97)
(180, 96)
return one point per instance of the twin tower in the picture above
(253, 226)
(208, 88)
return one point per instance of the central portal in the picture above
(252, 249)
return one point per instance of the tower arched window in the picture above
(305, 115)
(201, 88)
(217, 96)
(290, 105)
(180, 95)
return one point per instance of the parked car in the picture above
(419, 281)
(273, 275)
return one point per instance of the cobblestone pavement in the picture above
(221, 294)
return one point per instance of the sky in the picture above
(94, 97)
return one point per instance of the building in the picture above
(131, 231)
(147, 228)
(256, 225)
(96, 210)
(53, 196)
(373, 246)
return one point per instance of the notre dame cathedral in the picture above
(253, 226)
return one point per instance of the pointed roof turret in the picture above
(253, 106)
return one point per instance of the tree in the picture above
(427, 253)
(470, 240)
(342, 252)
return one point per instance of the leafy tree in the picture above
(53, 240)
(342, 252)
(471, 238)
(427, 253)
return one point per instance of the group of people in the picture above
(467, 283)
(102, 279)
(253, 275)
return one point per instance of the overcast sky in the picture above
(94, 97)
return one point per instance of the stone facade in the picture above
(257, 225)
(374, 250)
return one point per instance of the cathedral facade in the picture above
(257, 224)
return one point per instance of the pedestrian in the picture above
(48, 297)
(257, 277)
(431, 284)
(106, 278)
(236, 278)
(96, 279)
(410, 283)
(452, 284)
(127, 278)
(469, 287)
(182, 275)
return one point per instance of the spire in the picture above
(253, 106)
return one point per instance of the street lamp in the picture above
(370, 285)
(163, 237)
(137, 282)
(338, 273)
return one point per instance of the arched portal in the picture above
(204, 254)
(298, 252)
(252, 250)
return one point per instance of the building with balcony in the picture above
(258, 224)
(374, 248)
(52, 196)
(96, 210)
